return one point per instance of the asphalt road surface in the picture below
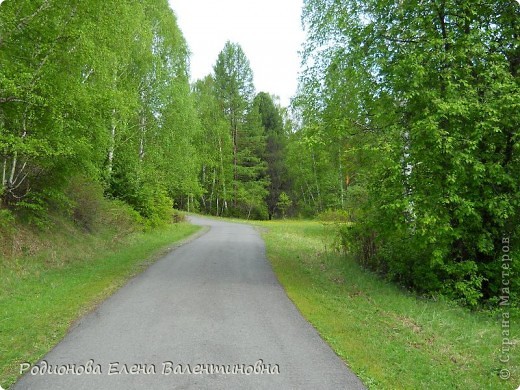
(209, 315)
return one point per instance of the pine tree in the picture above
(276, 139)
(235, 91)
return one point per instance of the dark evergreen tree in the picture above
(276, 139)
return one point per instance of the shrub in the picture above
(333, 216)
(284, 202)
(87, 202)
(178, 216)
(120, 217)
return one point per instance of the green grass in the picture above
(390, 338)
(43, 294)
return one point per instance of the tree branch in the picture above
(11, 99)
(25, 21)
(399, 40)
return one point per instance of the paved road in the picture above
(213, 301)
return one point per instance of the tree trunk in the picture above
(235, 162)
(142, 128)
(112, 145)
(341, 180)
(223, 172)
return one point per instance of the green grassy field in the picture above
(391, 339)
(42, 295)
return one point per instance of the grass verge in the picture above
(390, 338)
(42, 295)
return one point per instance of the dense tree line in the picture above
(243, 137)
(98, 88)
(409, 120)
(405, 122)
(102, 90)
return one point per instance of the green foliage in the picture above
(215, 146)
(271, 118)
(423, 101)
(241, 188)
(145, 195)
(102, 90)
(6, 218)
(98, 89)
(234, 83)
(87, 200)
(284, 202)
(314, 172)
(42, 134)
(464, 281)
(331, 215)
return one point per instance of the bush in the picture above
(178, 216)
(6, 219)
(145, 195)
(92, 212)
(87, 202)
(430, 269)
(340, 216)
(463, 282)
(155, 206)
(121, 218)
(284, 203)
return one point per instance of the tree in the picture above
(420, 97)
(284, 202)
(215, 146)
(235, 90)
(152, 160)
(99, 89)
(45, 133)
(276, 139)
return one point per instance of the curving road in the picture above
(200, 318)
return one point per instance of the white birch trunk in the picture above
(112, 145)
(142, 141)
(4, 173)
(341, 180)
(222, 172)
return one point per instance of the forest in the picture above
(403, 132)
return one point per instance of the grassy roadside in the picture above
(42, 295)
(389, 338)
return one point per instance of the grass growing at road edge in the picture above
(390, 339)
(41, 296)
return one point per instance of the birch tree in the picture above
(96, 88)
(215, 148)
(423, 95)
